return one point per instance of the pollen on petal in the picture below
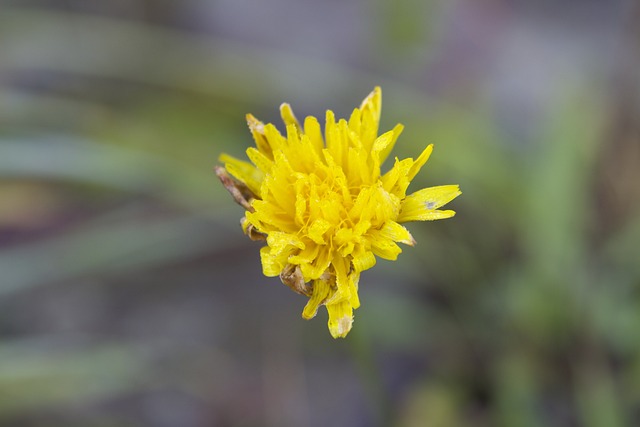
(423, 204)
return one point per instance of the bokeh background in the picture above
(130, 297)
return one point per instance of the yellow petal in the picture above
(340, 318)
(437, 214)
(379, 145)
(259, 159)
(279, 241)
(397, 173)
(363, 260)
(342, 280)
(317, 267)
(321, 290)
(394, 231)
(336, 172)
(423, 204)
(287, 115)
(373, 102)
(271, 265)
(355, 121)
(357, 170)
(397, 130)
(317, 230)
(269, 217)
(383, 246)
(358, 211)
(361, 227)
(346, 283)
(370, 107)
(301, 207)
(337, 141)
(384, 204)
(354, 299)
(274, 137)
(243, 171)
(293, 137)
(312, 130)
(419, 162)
(257, 130)
(308, 156)
(332, 136)
(278, 184)
(305, 256)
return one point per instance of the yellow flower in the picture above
(324, 207)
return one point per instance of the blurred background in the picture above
(130, 297)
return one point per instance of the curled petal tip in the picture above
(341, 327)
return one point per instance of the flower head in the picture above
(324, 207)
